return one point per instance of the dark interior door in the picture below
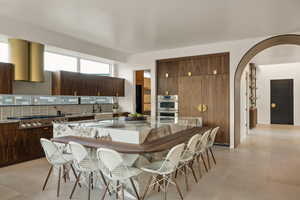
(282, 101)
(139, 96)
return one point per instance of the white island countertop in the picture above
(119, 130)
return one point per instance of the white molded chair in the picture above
(162, 171)
(116, 171)
(56, 158)
(84, 164)
(201, 149)
(188, 158)
(211, 142)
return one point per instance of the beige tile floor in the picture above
(265, 167)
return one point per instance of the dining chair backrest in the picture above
(203, 141)
(213, 134)
(192, 144)
(51, 151)
(78, 152)
(172, 159)
(110, 158)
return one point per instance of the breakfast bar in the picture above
(139, 142)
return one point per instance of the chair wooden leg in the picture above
(193, 171)
(58, 184)
(47, 178)
(147, 188)
(213, 156)
(200, 170)
(134, 188)
(186, 177)
(105, 191)
(73, 170)
(165, 188)
(105, 183)
(64, 173)
(178, 189)
(204, 162)
(77, 181)
(176, 173)
(208, 160)
(117, 190)
(90, 183)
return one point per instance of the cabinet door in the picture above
(219, 64)
(105, 85)
(6, 77)
(119, 87)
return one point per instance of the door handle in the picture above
(273, 105)
(202, 107)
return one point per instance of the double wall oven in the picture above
(167, 107)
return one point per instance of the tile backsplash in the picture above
(17, 111)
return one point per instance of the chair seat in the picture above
(188, 156)
(89, 164)
(121, 173)
(156, 168)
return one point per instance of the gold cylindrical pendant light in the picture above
(19, 56)
(36, 67)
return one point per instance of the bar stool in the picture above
(57, 159)
(116, 171)
(211, 141)
(84, 164)
(162, 171)
(188, 158)
(201, 149)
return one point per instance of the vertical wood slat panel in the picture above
(202, 87)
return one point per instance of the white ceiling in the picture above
(143, 25)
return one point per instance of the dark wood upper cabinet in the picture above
(6, 77)
(77, 84)
(167, 78)
(118, 87)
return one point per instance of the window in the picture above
(57, 62)
(4, 52)
(93, 67)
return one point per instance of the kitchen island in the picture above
(138, 142)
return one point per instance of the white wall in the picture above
(244, 104)
(265, 73)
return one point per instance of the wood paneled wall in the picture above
(199, 80)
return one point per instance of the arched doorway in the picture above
(288, 39)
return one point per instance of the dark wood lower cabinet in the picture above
(19, 145)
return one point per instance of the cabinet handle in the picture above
(202, 108)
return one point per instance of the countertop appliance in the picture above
(37, 121)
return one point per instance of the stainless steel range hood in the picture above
(28, 58)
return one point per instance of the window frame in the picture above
(61, 54)
(94, 60)
(78, 63)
